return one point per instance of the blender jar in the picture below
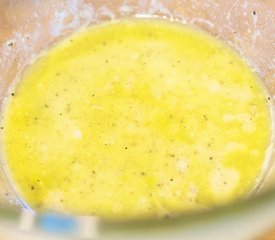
(28, 27)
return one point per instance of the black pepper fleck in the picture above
(171, 179)
(126, 148)
(268, 98)
(68, 107)
(12, 94)
(10, 44)
(205, 117)
(32, 188)
(254, 12)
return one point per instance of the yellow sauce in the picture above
(133, 119)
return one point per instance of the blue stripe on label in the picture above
(57, 224)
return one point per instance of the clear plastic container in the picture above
(28, 27)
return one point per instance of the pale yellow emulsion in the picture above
(138, 118)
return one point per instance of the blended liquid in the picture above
(134, 119)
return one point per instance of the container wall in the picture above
(28, 27)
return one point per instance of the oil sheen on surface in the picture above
(133, 119)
